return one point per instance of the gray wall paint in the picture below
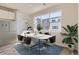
(7, 32)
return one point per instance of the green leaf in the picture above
(69, 28)
(65, 29)
(67, 40)
(76, 40)
(65, 34)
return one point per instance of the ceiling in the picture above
(28, 8)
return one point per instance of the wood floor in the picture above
(8, 50)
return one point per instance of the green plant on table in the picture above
(39, 27)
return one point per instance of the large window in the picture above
(55, 21)
(50, 21)
(45, 21)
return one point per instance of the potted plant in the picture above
(39, 27)
(70, 35)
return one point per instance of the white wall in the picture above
(13, 26)
(21, 22)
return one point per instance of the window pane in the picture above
(54, 27)
(45, 24)
(45, 21)
(56, 24)
(50, 21)
(55, 14)
(55, 20)
(46, 16)
(38, 19)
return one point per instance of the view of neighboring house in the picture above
(38, 29)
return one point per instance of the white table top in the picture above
(42, 36)
(38, 36)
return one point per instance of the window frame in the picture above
(50, 23)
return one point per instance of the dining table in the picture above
(37, 36)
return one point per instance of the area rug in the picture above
(39, 49)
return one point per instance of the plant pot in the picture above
(40, 32)
(71, 46)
